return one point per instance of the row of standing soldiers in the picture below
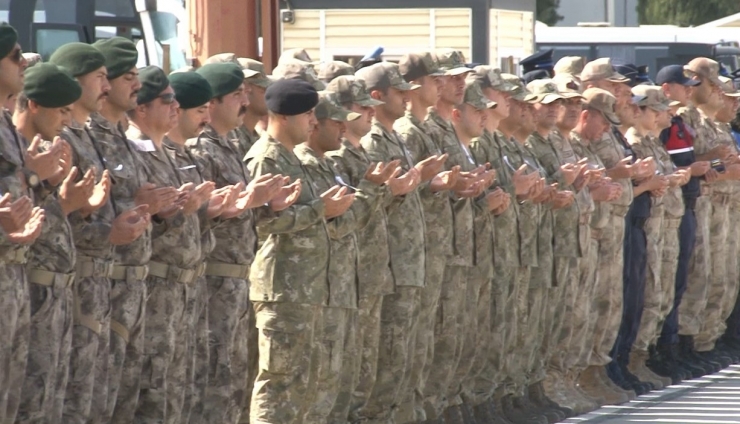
(411, 242)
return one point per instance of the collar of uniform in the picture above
(414, 121)
(171, 145)
(212, 135)
(537, 136)
(434, 117)
(76, 126)
(97, 120)
(307, 154)
(389, 134)
(355, 150)
(284, 152)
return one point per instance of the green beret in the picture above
(50, 86)
(153, 82)
(224, 78)
(8, 39)
(78, 58)
(120, 55)
(191, 89)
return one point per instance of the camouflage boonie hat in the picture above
(490, 77)
(417, 65)
(259, 79)
(520, 92)
(705, 68)
(602, 69)
(330, 70)
(568, 85)
(230, 58)
(728, 87)
(545, 90)
(384, 75)
(569, 65)
(650, 96)
(350, 89)
(293, 68)
(452, 62)
(295, 54)
(329, 108)
(474, 96)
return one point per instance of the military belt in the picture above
(177, 274)
(120, 272)
(220, 269)
(47, 278)
(720, 198)
(17, 256)
(93, 267)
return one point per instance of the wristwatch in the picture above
(32, 180)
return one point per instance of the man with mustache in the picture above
(96, 232)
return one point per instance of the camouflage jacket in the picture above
(12, 152)
(128, 173)
(244, 137)
(373, 267)
(343, 241)
(292, 263)
(92, 233)
(602, 211)
(175, 240)
(218, 160)
(611, 151)
(437, 209)
(487, 149)
(709, 135)
(405, 215)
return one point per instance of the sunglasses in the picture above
(16, 55)
(167, 98)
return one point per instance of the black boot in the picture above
(664, 364)
(467, 413)
(497, 412)
(453, 415)
(715, 356)
(726, 350)
(640, 387)
(534, 413)
(687, 354)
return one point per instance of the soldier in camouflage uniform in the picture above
(328, 71)
(293, 68)
(290, 285)
(421, 69)
(44, 109)
(95, 233)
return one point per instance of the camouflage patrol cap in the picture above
(568, 85)
(545, 90)
(330, 70)
(295, 54)
(330, 108)
(452, 62)
(350, 89)
(383, 75)
(230, 58)
(704, 68)
(294, 68)
(520, 92)
(602, 101)
(474, 96)
(490, 77)
(569, 65)
(728, 87)
(601, 69)
(417, 65)
(260, 78)
(32, 58)
(649, 96)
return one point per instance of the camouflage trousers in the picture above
(228, 323)
(333, 365)
(718, 283)
(515, 365)
(127, 322)
(538, 315)
(581, 322)
(15, 327)
(606, 309)
(412, 401)
(559, 308)
(196, 377)
(398, 324)
(448, 340)
(691, 309)
(90, 358)
(368, 340)
(178, 382)
(252, 365)
(286, 342)
(733, 269)
(42, 396)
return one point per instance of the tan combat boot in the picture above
(640, 370)
(592, 383)
(555, 388)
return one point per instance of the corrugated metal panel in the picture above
(452, 29)
(512, 35)
(304, 33)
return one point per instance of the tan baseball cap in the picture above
(545, 90)
(330, 70)
(650, 96)
(231, 58)
(569, 65)
(384, 75)
(474, 96)
(490, 77)
(520, 92)
(260, 78)
(350, 89)
(294, 68)
(32, 58)
(704, 68)
(601, 69)
(452, 62)
(568, 85)
(329, 108)
(728, 87)
(602, 101)
(297, 54)
(416, 65)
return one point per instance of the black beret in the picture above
(120, 55)
(291, 97)
(78, 58)
(50, 86)
(224, 78)
(153, 82)
(191, 89)
(8, 39)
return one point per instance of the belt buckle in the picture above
(63, 281)
(142, 272)
(187, 276)
(105, 269)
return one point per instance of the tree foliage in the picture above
(684, 12)
(547, 11)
